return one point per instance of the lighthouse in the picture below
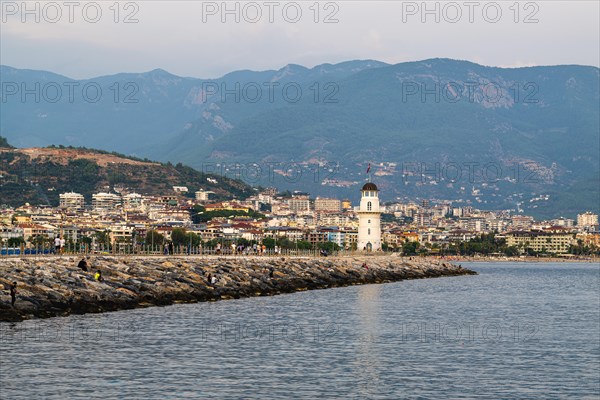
(369, 227)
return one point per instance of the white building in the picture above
(102, 202)
(587, 219)
(202, 195)
(369, 228)
(299, 204)
(133, 202)
(72, 201)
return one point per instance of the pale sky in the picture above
(189, 38)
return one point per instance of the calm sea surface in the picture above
(514, 331)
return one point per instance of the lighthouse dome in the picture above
(369, 186)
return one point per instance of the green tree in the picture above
(38, 240)
(153, 238)
(193, 239)
(269, 243)
(304, 245)
(329, 246)
(179, 237)
(409, 248)
(15, 242)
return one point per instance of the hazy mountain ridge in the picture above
(350, 114)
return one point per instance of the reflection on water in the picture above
(367, 364)
(514, 331)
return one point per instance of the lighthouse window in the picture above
(369, 206)
(369, 231)
(368, 221)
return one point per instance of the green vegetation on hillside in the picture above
(42, 180)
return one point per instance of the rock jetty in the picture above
(56, 286)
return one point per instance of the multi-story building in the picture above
(33, 230)
(202, 195)
(564, 222)
(72, 201)
(521, 222)
(587, 219)
(336, 219)
(325, 204)
(105, 202)
(540, 241)
(316, 237)
(10, 232)
(69, 233)
(299, 204)
(133, 202)
(423, 219)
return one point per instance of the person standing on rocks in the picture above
(13, 293)
(98, 276)
(57, 245)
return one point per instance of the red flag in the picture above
(369, 168)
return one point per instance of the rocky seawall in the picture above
(56, 286)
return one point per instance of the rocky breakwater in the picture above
(56, 286)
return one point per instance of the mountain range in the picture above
(526, 139)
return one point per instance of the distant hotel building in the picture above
(72, 201)
(540, 241)
(299, 203)
(324, 204)
(587, 219)
(104, 202)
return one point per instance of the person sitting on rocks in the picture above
(13, 293)
(98, 276)
(82, 265)
(365, 266)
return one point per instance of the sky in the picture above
(206, 39)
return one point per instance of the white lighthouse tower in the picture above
(369, 227)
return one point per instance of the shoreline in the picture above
(529, 259)
(49, 287)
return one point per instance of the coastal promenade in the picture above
(56, 286)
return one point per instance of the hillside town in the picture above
(128, 222)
